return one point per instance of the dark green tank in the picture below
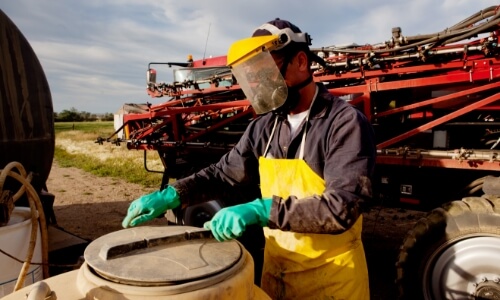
(26, 113)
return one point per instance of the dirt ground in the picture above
(89, 207)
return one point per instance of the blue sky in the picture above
(95, 53)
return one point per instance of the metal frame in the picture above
(467, 70)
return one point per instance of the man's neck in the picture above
(306, 97)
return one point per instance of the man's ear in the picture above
(302, 60)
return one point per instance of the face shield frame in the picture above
(266, 88)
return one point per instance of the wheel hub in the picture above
(468, 267)
(487, 290)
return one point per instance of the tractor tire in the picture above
(197, 215)
(453, 252)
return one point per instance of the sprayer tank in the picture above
(26, 113)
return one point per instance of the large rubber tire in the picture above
(453, 252)
(198, 214)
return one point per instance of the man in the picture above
(308, 158)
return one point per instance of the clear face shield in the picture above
(261, 81)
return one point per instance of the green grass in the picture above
(98, 128)
(118, 162)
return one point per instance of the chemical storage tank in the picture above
(26, 114)
(155, 262)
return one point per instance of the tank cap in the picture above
(163, 263)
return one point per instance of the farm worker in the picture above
(310, 156)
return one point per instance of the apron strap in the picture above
(271, 136)
(303, 142)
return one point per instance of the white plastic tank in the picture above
(156, 262)
(14, 240)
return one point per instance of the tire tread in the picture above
(440, 226)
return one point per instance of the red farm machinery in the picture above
(434, 102)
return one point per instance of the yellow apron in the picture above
(308, 266)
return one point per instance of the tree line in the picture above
(73, 115)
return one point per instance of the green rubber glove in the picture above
(150, 206)
(230, 222)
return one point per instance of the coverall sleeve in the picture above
(348, 166)
(233, 179)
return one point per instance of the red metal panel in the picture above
(216, 126)
(443, 67)
(211, 61)
(179, 110)
(435, 80)
(439, 121)
(439, 163)
(440, 99)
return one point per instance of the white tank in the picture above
(159, 262)
(14, 240)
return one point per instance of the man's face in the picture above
(279, 60)
(289, 74)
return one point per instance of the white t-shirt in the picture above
(295, 120)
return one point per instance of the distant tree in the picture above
(108, 117)
(73, 115)
(86, 116)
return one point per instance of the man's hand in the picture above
(150, 206)
(230, 222)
